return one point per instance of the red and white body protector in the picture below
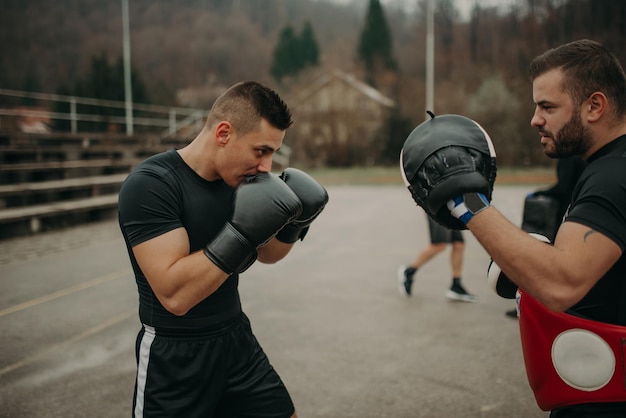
(571, 360)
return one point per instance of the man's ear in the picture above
(596, 106)
(223, 131)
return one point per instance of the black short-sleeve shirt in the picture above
(162, 194)
(599, 202)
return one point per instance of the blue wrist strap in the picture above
(459, 208)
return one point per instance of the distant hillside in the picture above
(174, 43)
(481, 63)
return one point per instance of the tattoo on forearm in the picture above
(590, 232)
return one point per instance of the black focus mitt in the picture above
(446, 157)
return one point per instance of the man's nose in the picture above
(265, 165)
(536, 120)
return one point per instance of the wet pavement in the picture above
(329, 316)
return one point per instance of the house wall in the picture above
(335, 126)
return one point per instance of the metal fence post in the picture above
(172, 121)
(73, 114)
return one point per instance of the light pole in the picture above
(128, 92)
(430, 56)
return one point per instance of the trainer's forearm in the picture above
(534, 266)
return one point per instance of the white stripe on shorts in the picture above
(142, 368)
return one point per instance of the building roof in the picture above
(350, 80)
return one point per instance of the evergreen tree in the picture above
(308, 47)
(104, 81)
(375, 49)
(294, 53)
(140, 92)
(286, 59)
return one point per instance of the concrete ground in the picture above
(329, 316)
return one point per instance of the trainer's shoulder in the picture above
(610, 168)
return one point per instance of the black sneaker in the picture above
(457, 292)
(512, 313)
(405, 280)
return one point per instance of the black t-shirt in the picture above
(568, 171)
(599, 202)
(162, 194)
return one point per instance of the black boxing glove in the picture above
(313, 197)
(444, 158)
(262, 205)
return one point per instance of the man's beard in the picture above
(572, 139)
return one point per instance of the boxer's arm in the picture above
(558, 276)
(262, 205)
(178, 279)
(181, 280)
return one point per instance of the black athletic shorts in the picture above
(218, 373)
(442, 235)
(592, 410)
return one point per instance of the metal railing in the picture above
(172, 118)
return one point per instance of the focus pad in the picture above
(445, 157)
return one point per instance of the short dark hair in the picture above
(588, 67)
(246, 103)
